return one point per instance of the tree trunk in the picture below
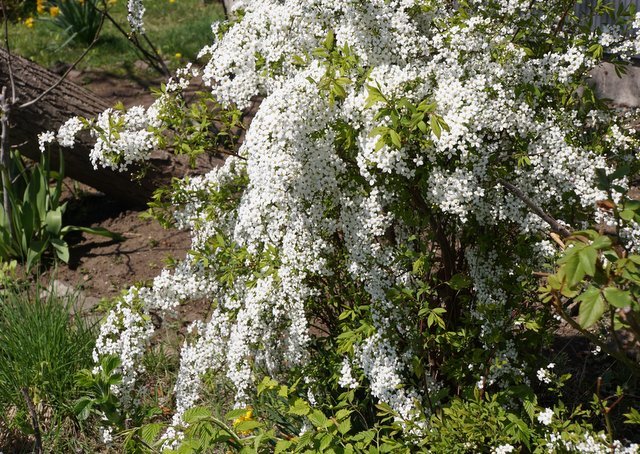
(69, 100)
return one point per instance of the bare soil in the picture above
(100, 267)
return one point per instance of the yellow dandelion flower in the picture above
(29, 22)
(178, 55)
(54, 11)
(40, 6)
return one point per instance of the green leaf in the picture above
(282, 446)
(318, 419)
(246, 426)
(101, 231)
(435, 126)
(530, 408)
(588, 257)
(300, 408)
(618, 298)
(53, 221)
(345, 426)
(339, 91)
(627, 215)
(62, 249)
(82, 408)
(235, 414)
(267, 383)
(149, 432)
(592, 306)
(602, 242)
(329, 40)
(395, 138)
(459, 281)
(196, 414)
(325, 441)
(572, 269)
(633, 417)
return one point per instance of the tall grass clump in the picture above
(42, 346)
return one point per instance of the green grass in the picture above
(182, 27)
(42, 347)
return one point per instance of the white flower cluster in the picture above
(124, 333)
(135, 13)
(503, 449)
(545, 417)
(346, 376)
(589, 444)
(66, 136)
(330, 213)
(44, 138)
(124, 138)
(545, 375)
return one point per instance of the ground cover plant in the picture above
(428, 194)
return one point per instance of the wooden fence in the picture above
(584, 8)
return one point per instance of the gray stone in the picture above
(622, 91)
(82, 304)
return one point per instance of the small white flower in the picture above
(545, 416)
(45, 138)
(545, 375)
(502, 449)
(68, 131)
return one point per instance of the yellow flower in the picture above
(178, 55)
(247, 416)
(54, 11)
(40, 6)
(172, 1)
(29, 22)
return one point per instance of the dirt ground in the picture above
(100, 267)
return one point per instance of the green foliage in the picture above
(41, 347)
(286, 423)
(182, 27)
(604, 279)
(34, 224)
(471, 344)
(80, 19)
(137, 429)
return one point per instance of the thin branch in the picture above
(34, 420)
(133, 39)
(230, 153)
(5, 157)
(157, 55)
(555, 225)
(6, 44)
(66, 73)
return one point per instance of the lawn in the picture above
(178, 29)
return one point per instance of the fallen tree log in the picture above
(67, 100)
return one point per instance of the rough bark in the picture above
(68, 100)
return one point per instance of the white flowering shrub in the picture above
(379, 235)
